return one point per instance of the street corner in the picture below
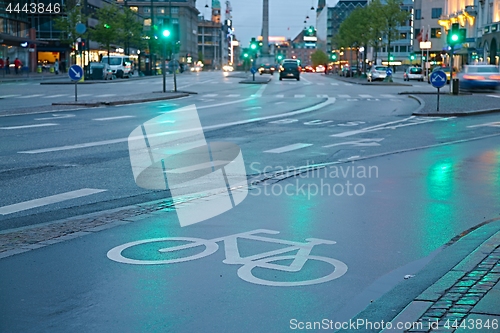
(449, 105)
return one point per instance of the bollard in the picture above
(455, 86)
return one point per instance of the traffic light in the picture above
(166, 33)
(107, 26)
(412, 57)
(391, 58)
(334, 56)
(254, 44)
(456, 35)
(245, 55)
(280, 57)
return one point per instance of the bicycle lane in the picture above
(415, 203)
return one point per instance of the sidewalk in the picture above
(453, 105)
(464, 299)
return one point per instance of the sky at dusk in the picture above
(286, 17)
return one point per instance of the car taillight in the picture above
(272, 68)
(474, 77)
(495, 77)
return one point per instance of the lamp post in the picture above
(172, 44)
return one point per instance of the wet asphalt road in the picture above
(409, 202)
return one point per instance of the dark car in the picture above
(290, 70)
(267, 69)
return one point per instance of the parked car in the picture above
(377, 73)
(290, 70)
(413, 73)
(100, 71)
(320, 69)
(120, 65)
(479, 77)
(267, 69)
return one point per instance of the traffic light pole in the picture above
(452, 51)
(163, 67)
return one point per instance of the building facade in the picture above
(427, 14)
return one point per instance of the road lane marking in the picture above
(322, 96)
(334, 84)
(358, 143)
(320, 84)
(344, 96)
(496, 96)
(260, 91)
(210, 95)
(28, 126)
(241, 122)
(57, 116)
(233, 95)
(7, 96)
(492, 124)
(348, 84)
(54, 96)
(253, 108)
(288, 148)
(48, 200)
(279, 103)
(300, 96)
(106, 95)
(318, 122)
(306, 80)
(365, 96)
(388, 95)
(113, 118)
(30, 96)
(280, 96)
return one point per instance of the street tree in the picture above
(108, 30)
(131, 30)
(391, 18)
(73, 14)
(319, 58)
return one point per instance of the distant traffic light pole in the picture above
(166, 35)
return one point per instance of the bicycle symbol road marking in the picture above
(266, 260)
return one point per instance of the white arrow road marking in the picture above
(47, 200)
(288, 148)
(260, 91)
(241, 122)
(57, 116)
(358, 143)
(113, 118)
(373, 128)
(284, 121)
(352, 123)
(28, 126)
(318, 122)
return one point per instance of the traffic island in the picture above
(454, 105)
(258, 80)
(130, 99)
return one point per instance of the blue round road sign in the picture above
(75, 73)
(253, 70)
(438, 79)
(388, 72)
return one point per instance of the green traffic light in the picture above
(166, 33)
(454, 37)
(245, 55)
(412, 57)
(107, 26)
(253, 46)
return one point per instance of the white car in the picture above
(377, 73)
(413, 73)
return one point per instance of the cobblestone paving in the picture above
(459, 300)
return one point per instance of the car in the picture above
(227, 68)
(377, 73)
(413, 73)
(100, 71)
(290, 70)
(120, 65)
(442, 68)
(308, 69)
(320, 69)
(267, 69)
(479, 77)
(344, 70)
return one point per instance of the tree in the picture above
(67, 23)
(130, 30)
(319, 58)
(391, 18)
(107, 31)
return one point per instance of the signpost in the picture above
(75, 73)
(253, 70)
(438, 80)
(388, 72)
